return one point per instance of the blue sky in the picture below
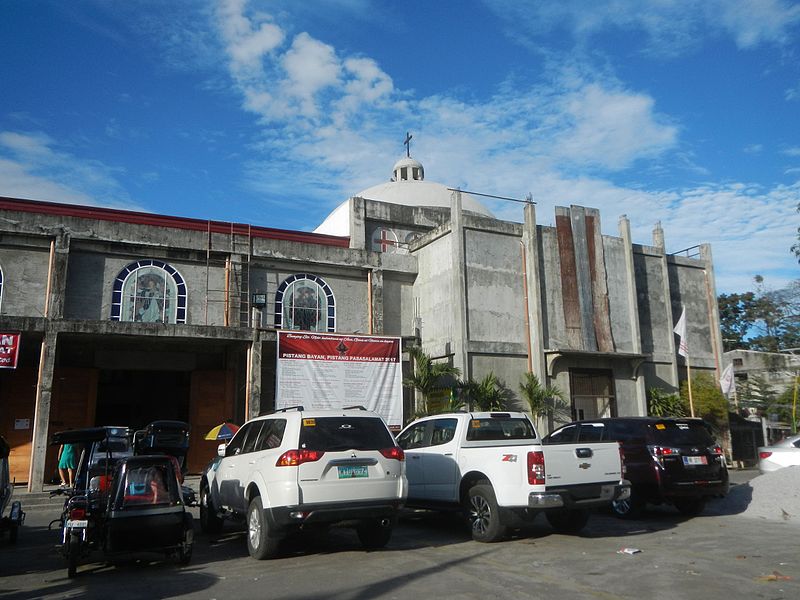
(685, 112)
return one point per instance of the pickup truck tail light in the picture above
(622, 468)
(395, 452)
(294, 458)
(536, 474)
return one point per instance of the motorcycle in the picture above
(129, 505)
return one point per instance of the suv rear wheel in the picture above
(260, 544)
(690, 507)
(375, 534)
(630, 508)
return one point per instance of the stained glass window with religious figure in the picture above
(149, 291)
(305, 302)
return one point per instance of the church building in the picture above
(125, 317)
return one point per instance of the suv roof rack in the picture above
(298, 408)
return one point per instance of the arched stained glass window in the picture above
(305, 302)
(149, 291)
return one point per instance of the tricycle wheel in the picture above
(260, 544)
(73, 554)
(209, 520)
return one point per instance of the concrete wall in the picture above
(555, 335)
(433, 293)
(688, 287)
(617, 283)
(24, 279)
(508, 369)
(495, 288)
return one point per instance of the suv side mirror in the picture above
(221, 450)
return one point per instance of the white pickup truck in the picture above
(494, 467)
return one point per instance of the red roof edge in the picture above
(140, 218)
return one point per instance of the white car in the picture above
(296, 469)
(785, 453)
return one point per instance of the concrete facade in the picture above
(590, 313)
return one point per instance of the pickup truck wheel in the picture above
(210, 522)
(568, 520)
(690, 507)
(260, 544)
(631, 508)
(483, 514)
(375, 534)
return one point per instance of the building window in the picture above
(592, 394)
(149, 291)
(305, 302)
(738, 362)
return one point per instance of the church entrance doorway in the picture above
(592, 394)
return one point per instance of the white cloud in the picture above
(310, 67)
(32, 167)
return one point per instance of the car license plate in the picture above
(77, 524)
(350, 472)
(695, 460)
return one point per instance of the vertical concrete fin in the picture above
(530, 241)
(581, 249)
(569, 278)
(597, 272)
(358, 235)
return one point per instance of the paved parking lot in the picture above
(718, 555)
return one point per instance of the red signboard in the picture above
(9, 350)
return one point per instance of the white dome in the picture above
(407, 188)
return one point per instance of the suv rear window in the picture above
(494, 429)
(344, 433)
(677, 433)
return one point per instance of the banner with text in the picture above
(9, 350)
(323, 371)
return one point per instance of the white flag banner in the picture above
(726, 382)
(680, 329)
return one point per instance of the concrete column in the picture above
(658, 242)
(358, 235)
(713, 307)
(459, 297)
(376, 295)
(41, 418)
(254, 354)
(57, 276)
(633, 308)
(530, 242)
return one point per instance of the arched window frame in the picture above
(131, 270)
(318, 282)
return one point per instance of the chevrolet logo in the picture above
(584, 465)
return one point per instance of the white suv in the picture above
(295, 468)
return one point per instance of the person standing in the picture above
(67, 463)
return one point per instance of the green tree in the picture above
(662, 404)
(428, 376)
(764, 319)
(488, 394)
(546, 403)
(710, 403)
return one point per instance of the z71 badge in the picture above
(509, 458)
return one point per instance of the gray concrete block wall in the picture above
(397, 306)
(24, 280)
(495, 288)
(688, 287)
(508, 369)
(433, 294)
(617, 283)
(654, 326)
(550, 268)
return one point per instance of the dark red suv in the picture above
(667, 460)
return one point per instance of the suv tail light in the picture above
(764, 454)
(395, 452)
(662, 452)
(716, 450)
(536, 474)
(294, 458)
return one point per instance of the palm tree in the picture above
(545, 402)
(488, 394)
(427, 377)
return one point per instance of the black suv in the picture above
(667, 460)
